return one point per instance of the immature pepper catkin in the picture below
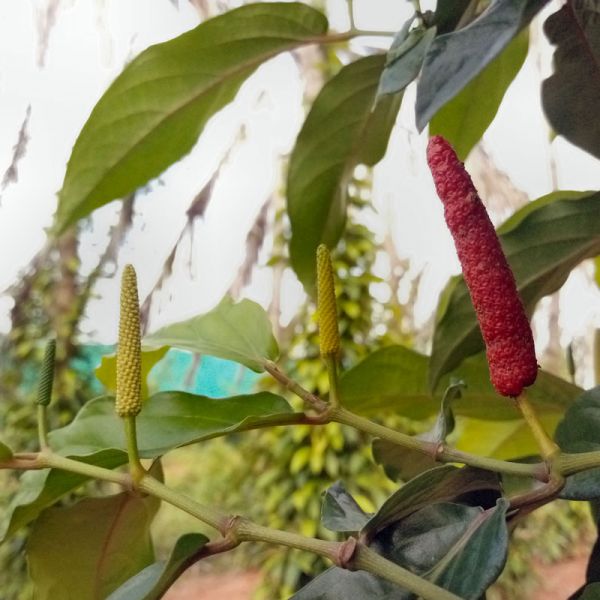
(47, 375)
(502, 319)
(129, 360)
(329, 337)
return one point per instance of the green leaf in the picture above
(575, 84)
(87, 550)
(5, 452)
(41, 489)
(170, 420)
(404, 59)
(440, 484)
(464, 119)
(394, 380)
(543, 242)
(404, 463)
(153, 582)
(154, 111)
(591, 592)
(448, 14)
(456, 58)
(441, 542)
(107, 371)
(481, 552)
(343, 128)
(340, 512)
(235, 331)
(578, 432)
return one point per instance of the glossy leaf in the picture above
(340, 512)
(441, 542)
(235, 331)
(503, 439)
(404, 59)
(543, 242)
(343, 128)
(153, 582)
(154, 111)
(170, 420)
(394, 380)
(87, 550)
(574, 87)
(41, 489)
(440, 484)
(456, 58)
(480, 551)
(464, 119)
(578, 432)
(107, 371)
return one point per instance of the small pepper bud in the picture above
(129, 361)
(491, 283)
(47, 375)
(329, 337)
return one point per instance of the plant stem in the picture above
(568, 464)
(294, 387)
(350, 4)
(136, 469)
(56, 461)
(363, 558)
(368, 560)
(334, 396)
(548, 448)
(207, 514)
(42, 422)
(438, 452)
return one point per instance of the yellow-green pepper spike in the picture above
(329, 337)
(129, 361)
(47, 375)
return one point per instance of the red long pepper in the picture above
(502, 319)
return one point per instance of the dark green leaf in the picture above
(394, 380)
(448, 14)
(568, 94)
(340, 512)
(107, 371)
(480, 551)
(442, 542)
(404, 59)
(454, 59)
(343, 128)
(88, 550)
(169, 420)
(464, 119)
(41, 489)
(591, 592)
(336, 583)
(235, 331)
(543, 242)
(152, 582)
(578, 432)
(157, 107)
(440, 484)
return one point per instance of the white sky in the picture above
(87, 48)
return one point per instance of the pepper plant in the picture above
(443, 534)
